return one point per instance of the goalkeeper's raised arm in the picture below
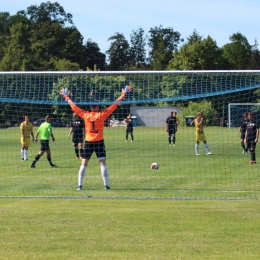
(125, 92)
(66, 95)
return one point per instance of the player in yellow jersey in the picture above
(94, 128)
(200, 136)
(26, 129)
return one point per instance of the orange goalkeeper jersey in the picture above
(94, 121)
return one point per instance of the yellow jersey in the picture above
(200, 136)
(27, 128)
(199, 128)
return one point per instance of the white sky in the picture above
(100, 20)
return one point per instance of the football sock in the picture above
(252, 155)
(81, 151)
(25, 154)
(173, 140)
(243, 146)
(77, 152)
(82, 172)
(196, 148)
(22, 154)
(169, 140)
(49, 159)
(37, 157)
(206, 147)
(104, 174)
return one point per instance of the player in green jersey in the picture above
(45, 131)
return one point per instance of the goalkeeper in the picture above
(94, 138)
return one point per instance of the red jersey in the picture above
(94, 121)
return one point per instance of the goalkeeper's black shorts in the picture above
(91, 147)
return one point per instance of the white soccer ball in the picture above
(155, 166)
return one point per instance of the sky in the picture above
(98, 20)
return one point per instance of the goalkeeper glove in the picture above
(65, 93)
(127, 90)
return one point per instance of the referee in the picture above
(45, 131)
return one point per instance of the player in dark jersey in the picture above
(242, 132)
(129, 128)
(251, 136)
(77, 128)
(171, 127)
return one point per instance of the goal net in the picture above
(235, 110)
(222, 96)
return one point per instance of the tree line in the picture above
(44, 38)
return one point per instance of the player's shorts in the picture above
(200, 136)
(171, 132)
(26, 142)
(77, 139)
(91, 147)
(242, 136)
(129, 130)
(45, 145)
(251, 143)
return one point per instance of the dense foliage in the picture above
(44, 38)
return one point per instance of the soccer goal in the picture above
(218, 171)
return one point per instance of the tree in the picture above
(161, 57)
(65, 65)
(14, 19)
(198, 55)
(6, 23)
(194, 37)
(50, 45)
(238, 52)
(162, 41)
(51, 41)
(17, 53)
(137, 49)
(47, 12)
(118, 52)
(254, 63)
(94, 58)
(4, 18)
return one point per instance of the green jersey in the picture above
(45, 129)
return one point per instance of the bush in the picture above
(193, 108)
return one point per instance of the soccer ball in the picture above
(155, 166)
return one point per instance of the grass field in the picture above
(193, 207)
(129, 229)
(182, 175)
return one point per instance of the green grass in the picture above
(170, 213)
(182, 175)
(129, 229)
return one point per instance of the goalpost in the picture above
(220, 95)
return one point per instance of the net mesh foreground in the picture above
(226, 174)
